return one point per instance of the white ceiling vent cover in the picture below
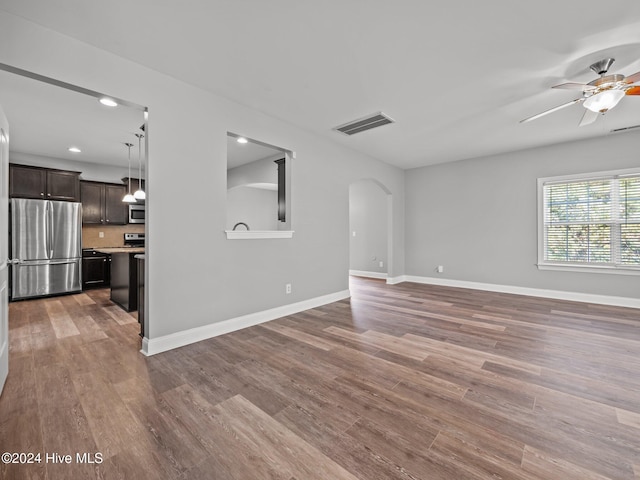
(367, 123)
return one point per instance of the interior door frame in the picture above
(145, 159)
(4, 249)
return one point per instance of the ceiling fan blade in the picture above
(633, 78)
(575, 86)
(551, 110)
(633, 91)
(588, 117)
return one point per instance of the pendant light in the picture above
(139, 194)
(128, 198)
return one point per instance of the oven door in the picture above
(136, 213)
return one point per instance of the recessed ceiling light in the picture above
(242, 140)
(74, 149)
(108, 102)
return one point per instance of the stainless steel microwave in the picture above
(136, 213)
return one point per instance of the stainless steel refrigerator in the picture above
(46, 247)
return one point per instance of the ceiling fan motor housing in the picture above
(602, 66)
(609, 80)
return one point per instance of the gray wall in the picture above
(256, 207)
(368, 219)
(478, 217)
(260, 171)
(208, 279)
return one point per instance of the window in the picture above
(591, 221)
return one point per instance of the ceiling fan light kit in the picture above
(603, 101)
(598, 96)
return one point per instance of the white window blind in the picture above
(592, 221)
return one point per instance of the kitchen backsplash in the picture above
(113, 235)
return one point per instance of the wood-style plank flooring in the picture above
(399, 382)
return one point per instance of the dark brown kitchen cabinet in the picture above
(45, 183)
(96, 269)
(141, 309)
(63, 185)
(124, 280)
(115, 211)
(102, 203)
(136, 183)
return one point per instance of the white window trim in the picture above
(578, 267)
(257, 234)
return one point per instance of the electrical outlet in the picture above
(381, 264)
(100, 234)
(440, 269)
(287, 288)
(354, 234)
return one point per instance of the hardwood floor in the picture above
(400, 382)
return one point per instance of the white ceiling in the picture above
(46, 120)
(243, 153)
(456, 76)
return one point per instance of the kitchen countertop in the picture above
(112, 250)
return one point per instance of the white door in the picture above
(4, 248)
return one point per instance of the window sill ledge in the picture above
(257, 234)
(588, 269)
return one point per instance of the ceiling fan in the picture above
(598, 96)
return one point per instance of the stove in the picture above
(134, 239)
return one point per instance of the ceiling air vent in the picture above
(372, 121)
(623, 129)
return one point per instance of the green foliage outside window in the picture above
(595, 221)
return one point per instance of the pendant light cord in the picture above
(129, 145)
(140, 137)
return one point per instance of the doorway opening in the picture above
(81, 139)
(370, 241)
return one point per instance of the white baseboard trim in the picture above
(363, 273)
(533, 292)
(395, 280)
(186, 337)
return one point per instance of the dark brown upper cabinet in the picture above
(43, 183)
(102, 203)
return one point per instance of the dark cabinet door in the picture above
(63, 185)
(124, 280)
(115, 210)
(27, 182)
(92, 197)
(136, 183)
(96, 271)
(102, 203)
(44, 183)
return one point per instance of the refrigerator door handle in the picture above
(13, 261)
(49, 230)
(63, 262)
(29, 263)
